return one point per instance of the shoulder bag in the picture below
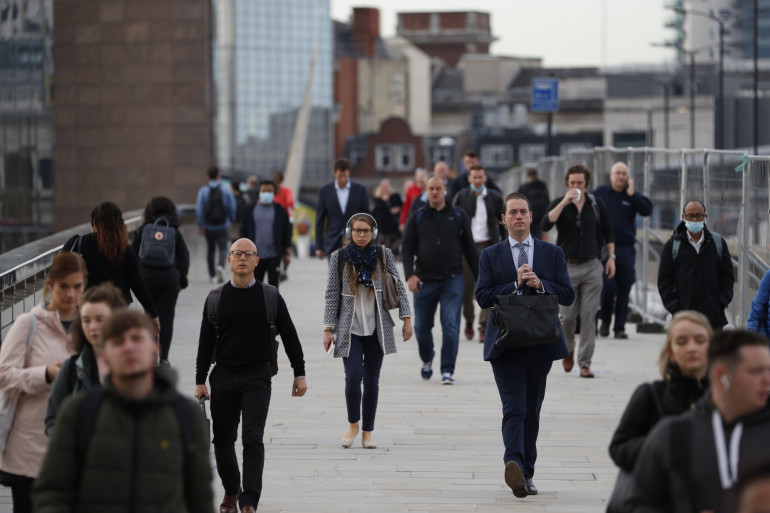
(9, 398)
(526, 320)
(389, 287)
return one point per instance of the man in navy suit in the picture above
(337, 202)
(522, 264)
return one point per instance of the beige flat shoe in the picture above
(347, 442)
(368, 445)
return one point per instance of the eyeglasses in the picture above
(695, 217)
(362, 231)
(238, 254)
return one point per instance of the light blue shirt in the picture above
(342, 195)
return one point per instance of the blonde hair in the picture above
(664, 360)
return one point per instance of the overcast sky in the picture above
(562, 32)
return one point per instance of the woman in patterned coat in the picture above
(356, 326)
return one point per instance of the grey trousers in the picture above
(587, 281)
(469, 285)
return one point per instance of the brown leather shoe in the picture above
(248, 509)
(568, 363)
(229, 504)
(585, 372)
(469, 331)
(482, 332)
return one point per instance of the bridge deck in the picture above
(440, 447)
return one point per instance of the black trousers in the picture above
(216, 244)
(163, 285)
(271, 266)
(234, 394)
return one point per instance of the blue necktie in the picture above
(522, 254)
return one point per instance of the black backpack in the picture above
(158, 248)
(215, 212)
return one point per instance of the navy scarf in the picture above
(364, 260)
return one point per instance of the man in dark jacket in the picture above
(337, 202)
(536, 192)
(694, 273)
(689, 462)
(266, 223)
(483, 207)
(127, 450)
(435, 240)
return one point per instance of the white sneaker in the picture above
(220, 274)
(213, 279)
(447, 379)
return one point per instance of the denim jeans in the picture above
(449, 293)
(363, 364)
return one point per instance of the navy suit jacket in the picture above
(330, 220)
(497, 275)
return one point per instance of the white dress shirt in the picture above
(342, 195)
(696, 245)
(479, 226)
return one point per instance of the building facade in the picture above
(264, 52)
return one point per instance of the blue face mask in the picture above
(266, 197)
(694, 226)
(474, 189)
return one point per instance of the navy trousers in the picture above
(363, 365)
(521, 379)
(616, 290)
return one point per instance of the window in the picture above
(394, 157)
(496, 155)
(398, 88)
(405, 157)
(382, 157)
(531, 152)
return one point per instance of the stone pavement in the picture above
(440, 447)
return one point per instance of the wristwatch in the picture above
(613, 256)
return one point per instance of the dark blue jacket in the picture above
(622, 210)
(497, 274)
(330, 220)
(281, 227)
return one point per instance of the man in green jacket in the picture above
(133, 446)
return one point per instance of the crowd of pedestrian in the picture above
(684, 442)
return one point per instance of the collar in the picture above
(337, 186)
(692, 240)
(214, 183)
(528, 241)
(248, 286)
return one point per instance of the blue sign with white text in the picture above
(545, 95)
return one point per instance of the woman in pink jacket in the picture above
(32, 370)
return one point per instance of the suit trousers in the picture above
(234, 394)
(469, 284)
(586, 279)
(521, 377)
(617, 289)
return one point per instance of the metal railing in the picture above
(736, 200)
(23, 270)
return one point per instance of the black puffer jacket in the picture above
(696, 281)
(676, 393)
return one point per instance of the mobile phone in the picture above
(419, 285)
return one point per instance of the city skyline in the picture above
(622, 43)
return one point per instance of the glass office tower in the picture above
(264, 50)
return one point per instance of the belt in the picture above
(580, 260)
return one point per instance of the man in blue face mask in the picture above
(696, 271)
(483, 207)
(267, 224)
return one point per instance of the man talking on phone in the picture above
(622, 202)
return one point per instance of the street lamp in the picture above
(721, 115)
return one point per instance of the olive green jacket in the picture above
(133, 462)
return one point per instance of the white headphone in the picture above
(725, 382)
(349, 228)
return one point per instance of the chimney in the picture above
(366, 30)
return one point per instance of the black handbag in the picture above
(526, 320)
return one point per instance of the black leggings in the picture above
(163, 285)
(21, 491)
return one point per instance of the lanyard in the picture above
(728, 474)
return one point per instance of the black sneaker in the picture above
(621, 335)
(604, 330)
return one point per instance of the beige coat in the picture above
(27, 442)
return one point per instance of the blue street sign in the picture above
(545, 95)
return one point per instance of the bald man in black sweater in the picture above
(241, 380)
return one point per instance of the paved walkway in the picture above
(440, 447)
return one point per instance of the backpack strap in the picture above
(675, 249)
(88, 411)
(714, 235)
(32, 326)
(212, 309)
(271, 309)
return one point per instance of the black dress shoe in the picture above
(621, 335)
(530, 486)
(514, 478)
(604, 330)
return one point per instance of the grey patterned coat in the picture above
(340, 298)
